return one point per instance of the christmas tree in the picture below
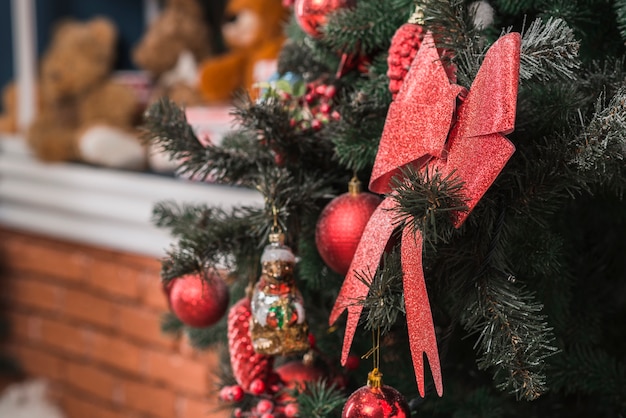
(491, 136)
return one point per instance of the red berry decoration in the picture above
(257, 387)
(404, 45)
(341, 225)
(264, 406)
(249, 368)
(291, 410)
(311, 14)
(231, 393)
(198, 302)
(376, 400)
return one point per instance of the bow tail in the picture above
(419, 318)
(366, 259)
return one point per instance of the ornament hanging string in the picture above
(418, 133)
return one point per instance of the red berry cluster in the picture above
(313, 109)
(404, 45)
(272, 402)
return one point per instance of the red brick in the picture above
(153, 295)
(90, 379)
(64, 337)
(149, 399)
(112, 351)
(115, 279)
(188, 407)
(178, 372)
(32, 293)
(23, 327)
(76, 406)
(37, 361)
(87, 307)
(142, 324)
(28, 254)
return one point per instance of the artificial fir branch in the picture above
(549, 51)
(513, 336)
(385, 300)
(320, 400)
(367, 28)
(600, 147)
(426, 201)
(166, 125)
(594, 372)
(620, 10)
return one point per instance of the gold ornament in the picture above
(278, 323)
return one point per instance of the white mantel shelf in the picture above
(107, 208)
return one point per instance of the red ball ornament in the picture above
(341, 225)
(376, 400)
(295, 374)
(198, 302)
(257, 387)
(311, 14)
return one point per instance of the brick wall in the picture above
(88, 320)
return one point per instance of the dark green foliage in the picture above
(528, 296)
(321, 400)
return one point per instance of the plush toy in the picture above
(84, 115)
(8, 119)
(253, 34)
(28, 400)
(171, 49)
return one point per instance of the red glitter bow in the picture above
(418, 132)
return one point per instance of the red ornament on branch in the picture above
(249, 368)
(376, 400)
(341, 224)
(311, 14)
(196, 301)
(404, 45)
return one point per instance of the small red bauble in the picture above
(340, 226)
(198, 302)
(291, 410)
(264, 406)
(372, 402)
(296, 374)
(311, 14)
(231, 393)
(257, 387)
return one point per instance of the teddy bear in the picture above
(253, 34)
(84, 115)
(8, 118)
(171, 48)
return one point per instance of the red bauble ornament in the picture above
(198, 302)
(341, 225)
(311, 14)
(248, 366)
(295, 374)
(376, 400)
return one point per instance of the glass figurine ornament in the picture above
(278, 323)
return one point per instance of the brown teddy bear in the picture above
(84, 115)
(253, 33)
(8, 119)
(171, 49)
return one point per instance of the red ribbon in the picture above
(418, 132)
